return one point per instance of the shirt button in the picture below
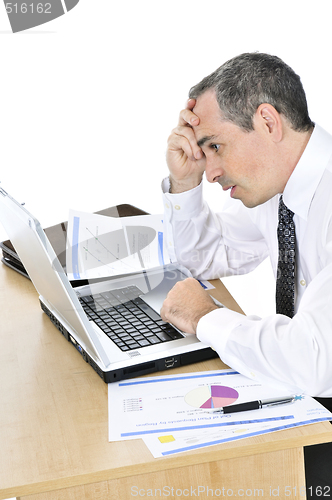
(303, 283)
(177, 207)
(167, 205)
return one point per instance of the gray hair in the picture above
(245, 82)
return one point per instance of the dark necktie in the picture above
(286, 263)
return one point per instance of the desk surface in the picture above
(53, 411)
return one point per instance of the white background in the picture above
(89, 99)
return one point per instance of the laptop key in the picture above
(162, 323)
(121, 344)
(156, 329)
(163, 336)
(99, 321)
(174, 334)
(134, 345)
(123, 335)
(126, 339)
(111, 323)
(131, 330)
(118, 330)
(87, 299)
(154, 340)
(125, 348)
(149, 323)
(138, 337)
(118, 341)
(142, 329)
(144, 342)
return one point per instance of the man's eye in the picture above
(215, 147)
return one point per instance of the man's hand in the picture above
(185, 305)
(185, 159)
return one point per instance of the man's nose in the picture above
(213, 171)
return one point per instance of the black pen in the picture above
(254, 405)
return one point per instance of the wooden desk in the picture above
(54, 429)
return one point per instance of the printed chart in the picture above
(211, 396)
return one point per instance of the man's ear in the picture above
(269, 121)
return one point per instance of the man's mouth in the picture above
(232, 188)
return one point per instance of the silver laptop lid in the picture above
(46, 272)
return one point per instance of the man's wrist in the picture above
(176, 187)
(204, 313)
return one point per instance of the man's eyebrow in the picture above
(205, 139)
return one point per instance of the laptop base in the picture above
(137, 370)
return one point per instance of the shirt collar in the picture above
(303, 182)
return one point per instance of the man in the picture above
(247, 127)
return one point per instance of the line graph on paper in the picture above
(99, 246)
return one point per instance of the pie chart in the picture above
(211, 396)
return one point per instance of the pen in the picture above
(254, 405)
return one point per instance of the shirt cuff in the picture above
(166, 185)
(214, 328)
(182, 206)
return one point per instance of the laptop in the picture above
(114, 324)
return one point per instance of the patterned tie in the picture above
(286, 263)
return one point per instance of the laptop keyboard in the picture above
(127, 320)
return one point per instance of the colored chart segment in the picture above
(211, 396)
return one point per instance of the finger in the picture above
(184, 138)
(191, 104)
(180, 144)
(188, 117)
(163, 313)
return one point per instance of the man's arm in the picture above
(195, 235)
(186, 304)
(185, 159)
(275, 349)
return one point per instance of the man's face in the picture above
(240, 161)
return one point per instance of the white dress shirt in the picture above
(297, 352)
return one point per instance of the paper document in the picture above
(100, 246)
(175, 413)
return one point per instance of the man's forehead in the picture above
(206, 103)
(209, 114)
